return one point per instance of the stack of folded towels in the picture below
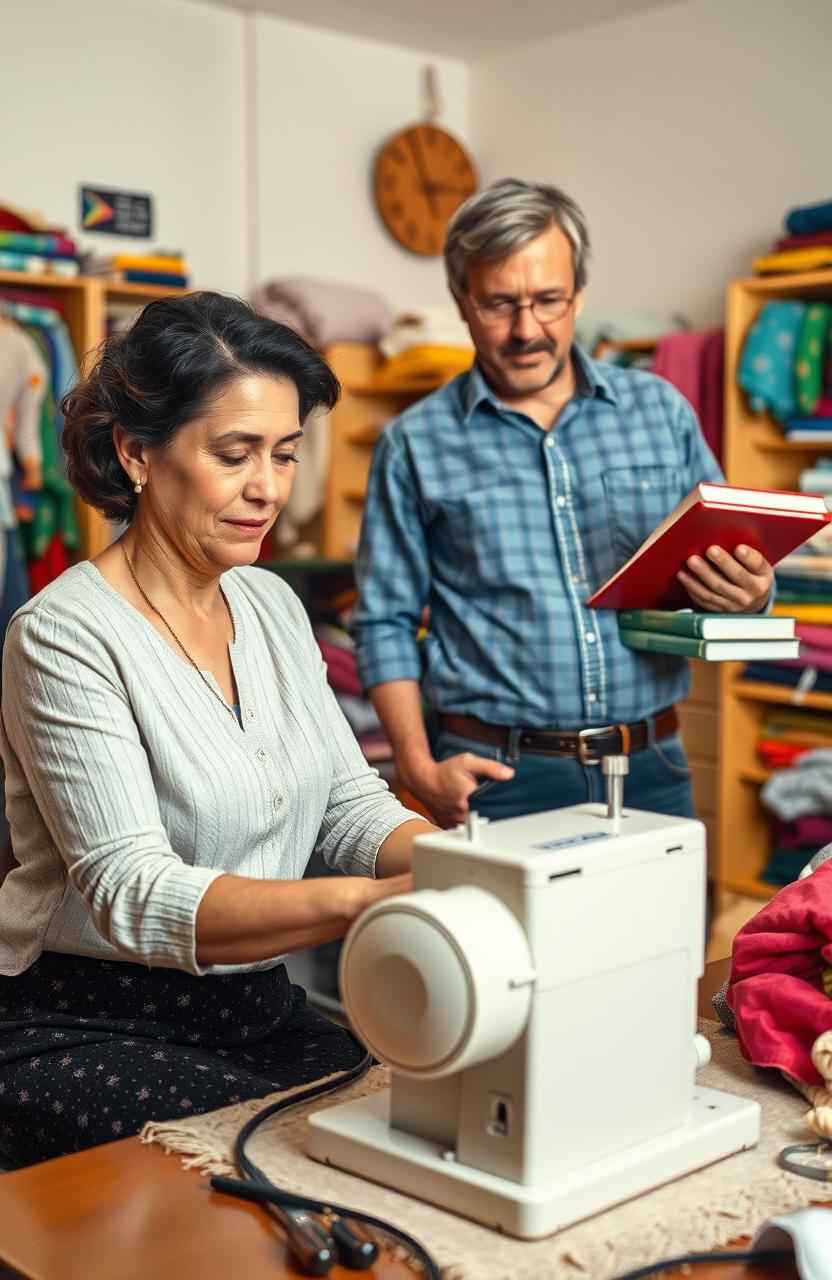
(807, 245)
(162, 267)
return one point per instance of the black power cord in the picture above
(287, 1204)
(690, 1259)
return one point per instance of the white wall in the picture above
(145, 95)
(325, 103)
(685, 133)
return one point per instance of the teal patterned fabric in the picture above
(766, 371)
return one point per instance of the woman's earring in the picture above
(137, 487)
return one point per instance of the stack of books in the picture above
(38, 253)
(713, 637)
(163, 267)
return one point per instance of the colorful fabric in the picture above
(775, 989)
(785, 865)
(766, 369)
(808, 832)
(809, 219)
(505, 529)
(694, 363)
(803, 242)
(796, 260)
(811, 345)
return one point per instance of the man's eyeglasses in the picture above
(503, 312)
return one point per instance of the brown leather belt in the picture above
(586, 745)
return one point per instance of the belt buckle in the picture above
(583, 734)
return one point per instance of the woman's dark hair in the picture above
(164, 371)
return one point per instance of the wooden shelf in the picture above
(756, 454)
(792, 446)
(363, 436)
(785, 695)
(750, 886)
(756, 775)
(355, 423)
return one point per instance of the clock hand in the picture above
(423, 176)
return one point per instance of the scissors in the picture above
(809, 1159)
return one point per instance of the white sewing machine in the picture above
(535, 1000)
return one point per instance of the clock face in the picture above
(422, 176)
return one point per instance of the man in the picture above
(503, 501)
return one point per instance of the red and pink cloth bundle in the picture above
(776, 988)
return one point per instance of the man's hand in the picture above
(725, 583)
(445, 785)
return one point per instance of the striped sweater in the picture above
(129, 788)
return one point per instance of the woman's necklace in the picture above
(152, 606)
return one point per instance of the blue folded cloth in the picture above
(809, 218)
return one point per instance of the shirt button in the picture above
(645, 484)
(550, 442)
(576, 578)
(249, 713)
(590, 637)
(277, 800)
(262, 754)
(560, 500)
(592, 697)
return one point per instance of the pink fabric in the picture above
(810, 832)
(823, 408)
(809, 657)
(341, 670)
(695, 364)
(814, 636)
(803, 242)
(774, 989)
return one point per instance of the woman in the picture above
(173, 756)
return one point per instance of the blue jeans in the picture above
(659, 779)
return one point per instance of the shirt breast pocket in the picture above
(474, 536)
(638, 498)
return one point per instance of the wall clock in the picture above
(422, 175)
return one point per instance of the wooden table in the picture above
(128, 1212)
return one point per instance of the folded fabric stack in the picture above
(324, 311)
(798, 795)
(786, 367)
(804, 592)
(807, 246)
(338, 651)
(28, 244)
(425, 345)
(159, 267)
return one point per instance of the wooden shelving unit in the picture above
(85, 300)
(755, 454)
(364, 408)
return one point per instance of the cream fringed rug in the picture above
(695, 1213)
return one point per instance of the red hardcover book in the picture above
(720, 515)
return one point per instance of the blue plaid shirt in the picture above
(505, 529)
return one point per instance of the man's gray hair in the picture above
(502, 218)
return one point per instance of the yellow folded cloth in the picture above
(795, 260)
(149, 262)
(804, 612)
(424, 364)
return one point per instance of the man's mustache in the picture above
(515, 348)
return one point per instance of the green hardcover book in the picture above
(707, 626)
(711, 650)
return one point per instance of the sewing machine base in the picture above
(357, 1137)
